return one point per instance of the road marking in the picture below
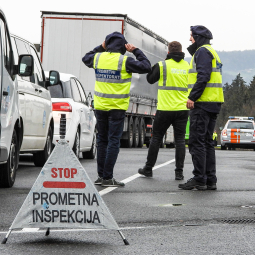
(33, 230)
(133, 177)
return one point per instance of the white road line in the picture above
(133, 177)
(33, 230)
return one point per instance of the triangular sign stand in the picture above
(63, 196)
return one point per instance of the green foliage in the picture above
(239, 100)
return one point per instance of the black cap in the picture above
(202, 31)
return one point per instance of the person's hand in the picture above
(190, 104)
(103, 45)
(130, 47)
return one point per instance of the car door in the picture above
(32, 107)
(44, 100)
(80, 114)
(89, 117)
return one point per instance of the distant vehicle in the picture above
(10, 121)
(73, 33)
(68, 97)
(238, 132)
(34, 106)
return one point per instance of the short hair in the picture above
(174, 47)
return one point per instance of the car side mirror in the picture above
(92, 104)
(26, 65)
(54, 77)
(220, 128)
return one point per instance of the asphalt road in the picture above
(155, 216)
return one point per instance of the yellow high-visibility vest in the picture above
(173, 85)
(213, 91)
(112, 84)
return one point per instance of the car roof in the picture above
(63, 76)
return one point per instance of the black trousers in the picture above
(201, 145)
(162, 122)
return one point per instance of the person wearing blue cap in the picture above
(204, 101)
(113, 73)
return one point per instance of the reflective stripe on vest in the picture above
(173, 85)
(112, 82)
(213, 91)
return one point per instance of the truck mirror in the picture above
(26, 65)
(54, 77)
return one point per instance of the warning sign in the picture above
(64, 196)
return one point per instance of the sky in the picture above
(231, 22)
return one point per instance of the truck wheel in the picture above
(93, 151)
(127, 143)
(8, 170)
(136, 133)
(76, 144)
(223, 147)
(41, 157)
(141, 133)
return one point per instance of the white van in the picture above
(10, 124)
(34, 106)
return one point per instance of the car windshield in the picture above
(62, 90)
(240, 125)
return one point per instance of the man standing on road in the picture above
(205, 99)
(113, 73)
(172, 77)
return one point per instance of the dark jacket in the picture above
(115, 43)
(203, 59)
(154, 75)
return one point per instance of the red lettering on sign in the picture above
(63, 173)
(60, 172)
(67, 173)
(73, 172)
(54, 173)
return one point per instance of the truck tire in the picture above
(136, 133)
(76, 144)
(41, 157)
(223, 147)
(9, 169)
(127, 143)
(93, 151)
(141, 133)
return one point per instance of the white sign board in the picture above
(63, 196)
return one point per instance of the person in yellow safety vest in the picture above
(172, 77)
(215, 138)
(113, 73)
(204, 101)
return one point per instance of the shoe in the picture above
(112, 183)
(145, 171)
(191, 184)
(211, 186)
(98, 181)
(179, 175)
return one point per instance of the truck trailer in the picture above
(67, 37)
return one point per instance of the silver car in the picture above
(239, 132)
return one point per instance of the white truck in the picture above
(67, 37)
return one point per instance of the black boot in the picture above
(179, 175)
(146, 171)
